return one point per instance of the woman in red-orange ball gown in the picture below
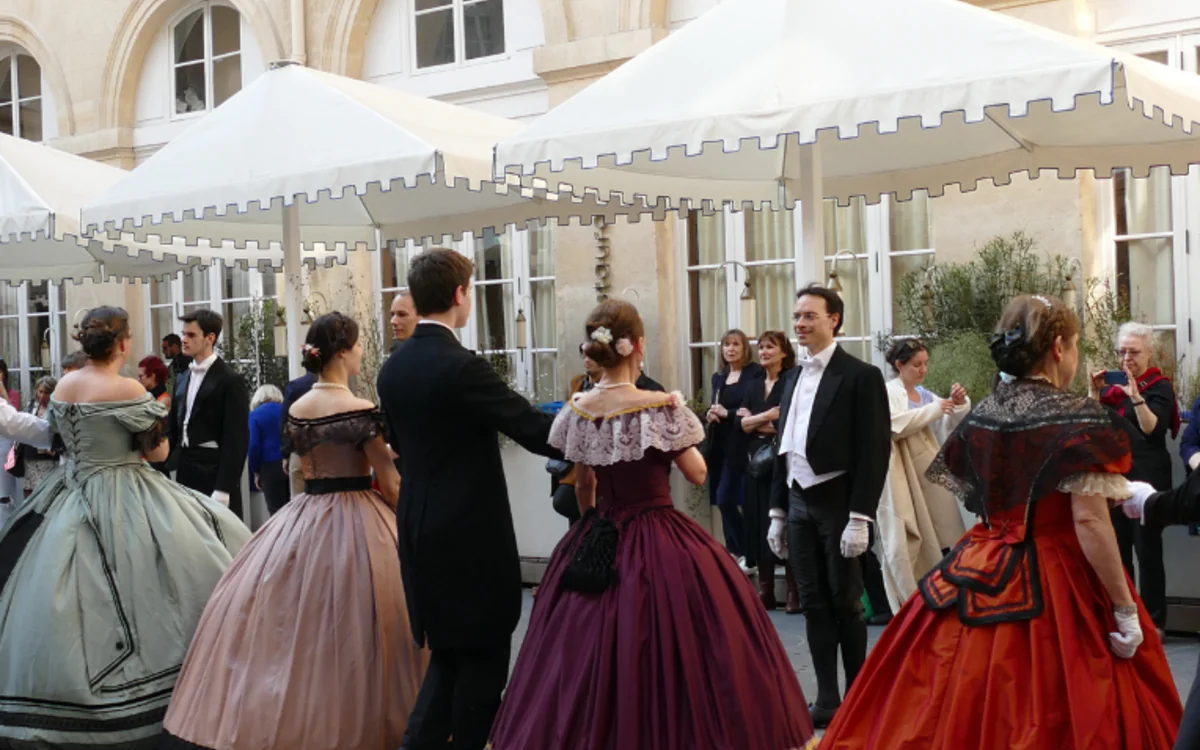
(1028, 634)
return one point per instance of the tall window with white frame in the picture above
(449, 32)
(541, 314)
(21, 97)
(206, 47)
(10, 334)
(496, 302)
(38, 338)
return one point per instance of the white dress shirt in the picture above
(794, 442)
(428, 322)
(196, 377)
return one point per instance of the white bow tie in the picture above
(198, 368)
(811, 363)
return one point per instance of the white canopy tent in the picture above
(301, 158)
(41, 192)
(768, 101)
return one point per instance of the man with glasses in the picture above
(834, 448)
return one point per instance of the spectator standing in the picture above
(265, 454)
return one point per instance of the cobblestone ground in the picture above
(1181, 651)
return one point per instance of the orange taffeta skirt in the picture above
(1050, 681)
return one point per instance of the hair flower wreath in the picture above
(602, 335)
(310, 349)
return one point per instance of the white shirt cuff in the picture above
(778, 513)
(221, 497)
(861, 517)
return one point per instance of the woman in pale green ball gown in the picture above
(105, 569)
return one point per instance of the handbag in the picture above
(557, 468)
(762, 459)
(592, 567)
(15, 463)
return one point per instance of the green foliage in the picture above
(250, 348)
(956, 308)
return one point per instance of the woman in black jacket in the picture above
(726, 455)
(1148, 412)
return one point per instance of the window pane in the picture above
(860, 349)
(237, 283)
(428, 4)
(545, 378)
(706, 294)
(770, 235)
(1143, 204)
(435, 38)
(495, 317)
(853, 278)
(774, 293)
(160, 292)
(483, 28)
(541, 249)
(6, 119)
(272, 281)
(238, 331)
(542, 318)
(902, 266)
(912, 223)
(31, 119)
(704, 364)
(10, 349)
(506, 366)
(29, 77)
(189, 38)
(845, 227)
(6, 82)
(39, 340)
(196, 286)
(227, 78)
(395, 260)
(493, 258)
(226, 31)
(1145, 277)
(8, 303)
(162, 322)
(189, 88)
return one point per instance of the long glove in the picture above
(1134, 506)
(855, 537)
(1125, 642)
(777, 534)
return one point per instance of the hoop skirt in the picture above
(1005, 645)
(305, 643)
(678, 652)
(104, 572)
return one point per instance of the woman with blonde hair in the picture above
(918, 520)
(265, 455)
(1028, 633)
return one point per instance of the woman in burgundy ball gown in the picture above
(645, 634)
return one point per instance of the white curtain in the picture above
(771, 236)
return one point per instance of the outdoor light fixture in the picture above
(833, 283)
(521, 336)
(748, 305)
(1070, 292)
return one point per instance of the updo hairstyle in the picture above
(100, 330)
(1027, 330)
(902, 351)
(621, 321)
(329, 334)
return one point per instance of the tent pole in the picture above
(292, 286)
(812, 215)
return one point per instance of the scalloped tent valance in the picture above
(41, 191)
(896, 95)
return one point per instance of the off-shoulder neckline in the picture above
(144, 397)
(334, 417)
(622, 412)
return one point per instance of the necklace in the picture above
(610, 386)
(331, 387)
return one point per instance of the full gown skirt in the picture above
(104, 572)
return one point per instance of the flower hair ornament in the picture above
(602, 335)
(310, 349)
(624, 347)
(1044, 300)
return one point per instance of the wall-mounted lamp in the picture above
(748, 304)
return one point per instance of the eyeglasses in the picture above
(809, 317)
(1135, 353)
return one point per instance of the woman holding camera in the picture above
(1144, 399)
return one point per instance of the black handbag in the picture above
(762, 460)
(592, 567)
(557, 468)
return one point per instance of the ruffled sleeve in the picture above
(1099, 484)
(144, 419)
(670, 427)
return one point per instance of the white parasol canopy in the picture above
(302, 158)
(897, 95)
(41, 192)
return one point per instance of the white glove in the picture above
(1134, 505)
(220, 497)
(1125, 643)
(777, 535)
(1194, 461)
(855, 537)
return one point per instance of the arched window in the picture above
(21, 96)
(206, 58)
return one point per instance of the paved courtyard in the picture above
(1181, 651)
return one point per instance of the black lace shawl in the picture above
(1019, 443)
(351, 427)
